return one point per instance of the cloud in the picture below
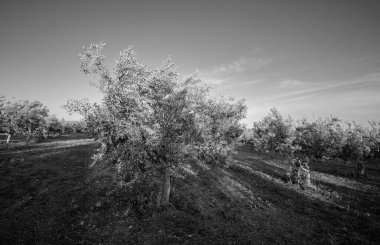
(242, 64)
(289, 90)
(291, 83)
(356, 98)
(238, 84)
(235, 71)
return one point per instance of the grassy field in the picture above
(49, 195)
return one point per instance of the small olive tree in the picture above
(150, 123)
(360, 145)
(274, 133)
(7, 124)
(279, 135)
(54, 125)
(374, 140)
(23, 116)
(320, 139)
(31, 118)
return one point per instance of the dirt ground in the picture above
(48, 195)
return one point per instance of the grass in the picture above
(49, 195)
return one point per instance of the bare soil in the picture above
(49, 195)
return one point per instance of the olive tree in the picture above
(316, 139)
(30, 118)
(69, 127)
(21, 117)
(320, 139)
(279, 135)
(150, 123)
(374, 140)
(359, 146)
(7, 126)
(274, 133)
(54, 125)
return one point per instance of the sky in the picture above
(304, 57)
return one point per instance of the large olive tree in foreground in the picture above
(150, 123)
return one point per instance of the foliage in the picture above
(274, 133)
(359, 143)
(68, 128)
(149, 122)
(247, 135)
(54, 125)
(23, 117)
(319, 139)
(78, 126)
(73, 127)
(31, 117)
(299, 174)
(7, 116)
(373, 139)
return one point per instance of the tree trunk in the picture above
(300, 173)
(294, 175)
(164, 194)
(361, 169)
(171, 187)
(8, 139)
(295, 171)
(306, 180)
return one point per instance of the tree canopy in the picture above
(23, 116)
(150, 122)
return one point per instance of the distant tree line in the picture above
(319, 139)
(31, 119)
